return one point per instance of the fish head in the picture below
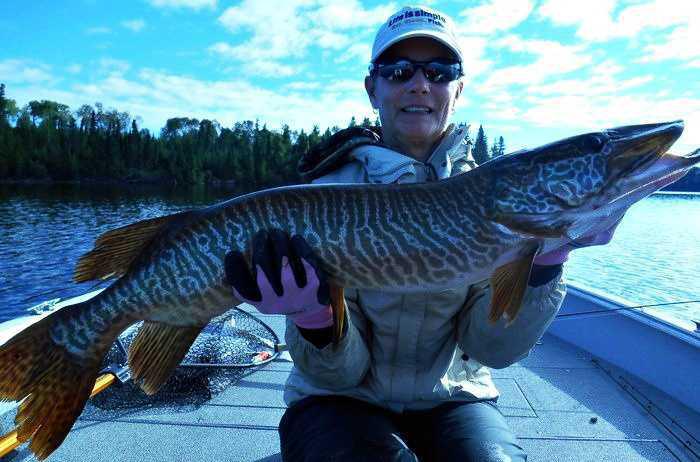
(567, 188)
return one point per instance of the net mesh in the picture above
(229, 348)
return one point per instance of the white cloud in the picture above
(223, 49)
(74, 68)
(473, 52)
(288, 29)
(333, 40)
(23, 71)
(273, 69)
(586, 112)
(98, 30)
(553, 59)
(592, 17)
(113, 66)
(134, 24)
(677, 45)
(604, 80)
(260, 64)
(349, 14)
(277, 29)
(302, 85)
(192, 4)
(503, 112)
(657, 14)
(345, 86)
(495, 15)
(595, 22)
(357, 51)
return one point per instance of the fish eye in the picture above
(595, 142)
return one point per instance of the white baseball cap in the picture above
(416, 21)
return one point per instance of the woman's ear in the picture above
(369, 87)
(460, 87)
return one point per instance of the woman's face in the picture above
(414, 114)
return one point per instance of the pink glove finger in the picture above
(317, 315)
(299, 303)
(310, 291)
(270, 300)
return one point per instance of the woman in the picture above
(409, 379)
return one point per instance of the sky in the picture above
(536, 71)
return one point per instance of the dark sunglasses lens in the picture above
(435, 72)
(440, 72)
(400, 72)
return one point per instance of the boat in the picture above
(605, 383)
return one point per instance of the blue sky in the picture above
(536, 70)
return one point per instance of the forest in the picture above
(46, 141)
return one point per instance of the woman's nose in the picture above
(419, 83)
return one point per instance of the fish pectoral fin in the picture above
(337, 295)
(508, 284)
(157, 350)
(52, 384)
(115, 250)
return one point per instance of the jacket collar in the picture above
(384, 165)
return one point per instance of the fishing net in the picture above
(229, 348)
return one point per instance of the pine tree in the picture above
(481, 148)
(501, 146)
(3, 116)
(498, 148)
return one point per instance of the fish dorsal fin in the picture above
(157, 350)
(116, 249)
(508, 284)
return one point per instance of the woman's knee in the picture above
(340, 429)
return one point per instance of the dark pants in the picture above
(335, 428)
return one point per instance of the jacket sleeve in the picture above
(345, 365)
(333, 367)
(498, 346)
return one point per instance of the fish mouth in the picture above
(636, 156)
(665, 170)
(634, 147)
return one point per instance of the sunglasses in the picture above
(436, 71)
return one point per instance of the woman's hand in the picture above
(286, 279)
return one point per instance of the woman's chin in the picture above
(421, 133)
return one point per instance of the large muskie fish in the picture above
(488, 223)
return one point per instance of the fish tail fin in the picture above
(53, 384)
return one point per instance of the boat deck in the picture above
(562, 404)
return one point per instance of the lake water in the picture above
(654, 257)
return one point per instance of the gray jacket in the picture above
(415, 351)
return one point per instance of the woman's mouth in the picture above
(415, 109)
